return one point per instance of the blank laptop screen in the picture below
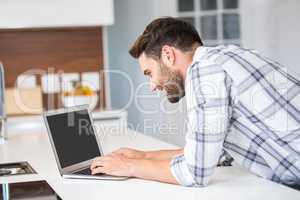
(73, 137)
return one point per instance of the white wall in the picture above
(55, 13)
(288, 34)
(131, 18)
(273, 28)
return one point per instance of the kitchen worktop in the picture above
(28, 141)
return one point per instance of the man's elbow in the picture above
(197, 182)
(201, 176)
(201, 182)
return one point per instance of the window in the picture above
(217, 21)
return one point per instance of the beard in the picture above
(174, 86)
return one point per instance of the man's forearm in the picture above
(158, 170)
(162, 154)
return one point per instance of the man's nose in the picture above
(153, 86)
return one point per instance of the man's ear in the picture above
(168, 55)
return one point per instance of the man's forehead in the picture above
(143, 58)
(145, 61)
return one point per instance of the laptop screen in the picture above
(73, 137)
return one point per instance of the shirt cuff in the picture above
(180, 171)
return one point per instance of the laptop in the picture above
(74, 142)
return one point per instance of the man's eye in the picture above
(147, 74)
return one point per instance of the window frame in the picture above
(197, 13)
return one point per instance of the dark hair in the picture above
(165, 31)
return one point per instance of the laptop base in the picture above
(94, 177)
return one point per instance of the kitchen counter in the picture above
(29, 142)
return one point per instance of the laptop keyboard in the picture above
(86, 171)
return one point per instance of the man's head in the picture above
(165, 50)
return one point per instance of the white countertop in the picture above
(31, 144)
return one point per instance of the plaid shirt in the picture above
(244, 105)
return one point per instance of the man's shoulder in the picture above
(207, 57)
(206, 54)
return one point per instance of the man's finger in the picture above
(97, 163)
(96, 158)
(98, 170)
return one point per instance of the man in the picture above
(239, 103)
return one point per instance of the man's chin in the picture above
(174, 99)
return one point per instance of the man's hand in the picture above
(130, 153)
(150, 165)
(113, 164)
(119, 165)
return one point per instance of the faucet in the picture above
(3, 117)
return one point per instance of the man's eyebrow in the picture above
(146, 72)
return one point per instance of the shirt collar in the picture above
(199, 54)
